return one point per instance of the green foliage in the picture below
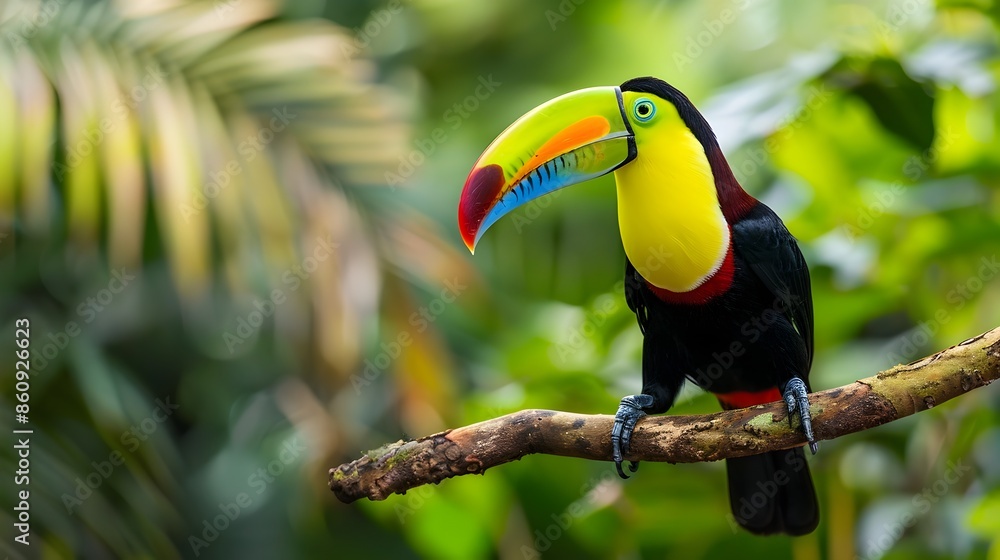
(320, 302)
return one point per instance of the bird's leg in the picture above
(629, 412)
(797, 400)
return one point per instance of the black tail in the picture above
(773, 493)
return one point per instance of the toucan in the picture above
(719, 287)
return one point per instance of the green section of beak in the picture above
(573, 138)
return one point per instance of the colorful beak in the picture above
(573, 138)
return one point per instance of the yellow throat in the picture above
(669, 216)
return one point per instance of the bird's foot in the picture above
(797, 400)
(629, 412)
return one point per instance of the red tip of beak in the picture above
(481, 191)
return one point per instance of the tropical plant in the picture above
(185, 222)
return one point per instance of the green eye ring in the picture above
(643, 109)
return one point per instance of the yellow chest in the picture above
(672, 227)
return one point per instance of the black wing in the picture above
(661, 377)
(765, 244)
(634, 285)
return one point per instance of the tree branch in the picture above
(892, 394)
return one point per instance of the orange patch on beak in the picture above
(573, 136)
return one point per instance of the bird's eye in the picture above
(644, 109)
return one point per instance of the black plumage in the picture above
(754, 336)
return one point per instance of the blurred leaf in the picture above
(900, 103)
(233, 155)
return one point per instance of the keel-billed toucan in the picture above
(718, 284)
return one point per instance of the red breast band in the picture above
(716, 285)
(743, 399)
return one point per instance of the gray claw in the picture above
(797, 400)
(629, 412)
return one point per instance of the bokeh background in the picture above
(231, 224)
